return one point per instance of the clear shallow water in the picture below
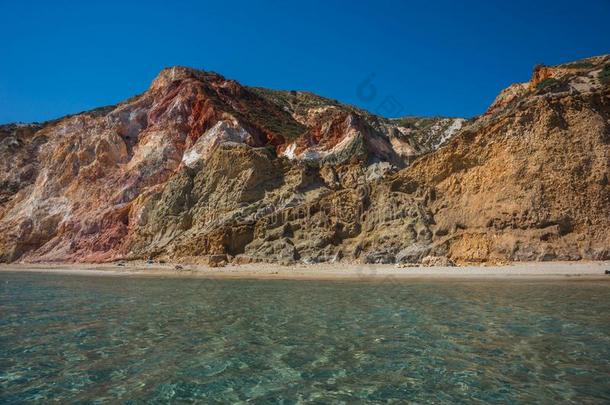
(80, 339)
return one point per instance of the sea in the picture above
(132, 340)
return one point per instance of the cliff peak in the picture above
(171, 74)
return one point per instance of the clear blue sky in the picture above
(432, 58)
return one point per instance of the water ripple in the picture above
(83, 339)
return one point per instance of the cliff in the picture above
(201, 168)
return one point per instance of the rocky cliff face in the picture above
(201, 167)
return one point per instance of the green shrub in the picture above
(604, 75)
(546, 83)
(579, 65)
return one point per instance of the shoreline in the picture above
(531, 271)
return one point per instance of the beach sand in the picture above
(528, 271)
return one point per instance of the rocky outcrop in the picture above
(202, 169)
(530, 181)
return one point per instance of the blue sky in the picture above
(426, 58)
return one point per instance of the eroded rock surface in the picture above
(202, 169)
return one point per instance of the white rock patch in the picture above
(289, 152)
(451, 130)
(190, 158)
(221, 132)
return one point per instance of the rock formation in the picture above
(202, 169)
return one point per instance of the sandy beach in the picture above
(529, 271)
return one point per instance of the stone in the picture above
(217, 260)
(412, 254)
(430, 261)
(379, 258)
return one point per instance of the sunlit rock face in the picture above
(201, 166)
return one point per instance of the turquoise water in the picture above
(135, 340)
